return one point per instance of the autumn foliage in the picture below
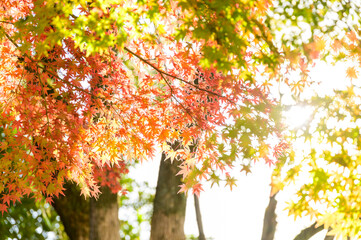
(90, 84)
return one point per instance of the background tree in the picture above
(329, 158)
(31, 220)
(169, 206)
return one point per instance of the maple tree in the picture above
(329, 160)
(89, 85)
(86, 84)
(324, 170)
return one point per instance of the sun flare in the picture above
(297, 116)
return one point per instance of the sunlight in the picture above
(297, 116)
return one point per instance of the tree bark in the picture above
(104, 221)
(308, 232)
(329, 237)
(85, 219)
(269, 220)
(199, 218)
(169, 206)
(73, 210)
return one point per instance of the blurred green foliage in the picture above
(31, 221)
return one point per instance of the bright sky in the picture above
(239, 214)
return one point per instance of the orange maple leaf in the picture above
(49, 200)
(6, 199)
(351, 73)
(337, 45)
(352, 36)
(3, 208)
(197, 189)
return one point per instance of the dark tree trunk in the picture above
(73, 210)
(169, 206)
(85, 219)
(199, 218)
(269, 221)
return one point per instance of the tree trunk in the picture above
(73, 210)
(104, 221)
(269, 221)
(85, 219)
(169, 206)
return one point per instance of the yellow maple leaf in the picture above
(320, 43)
(351, 73)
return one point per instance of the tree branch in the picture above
(199, 218)
(330, 237)
(9, 38)
(175, 77)
(7, 22)
(308, 232)
(269, 220)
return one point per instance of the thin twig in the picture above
(175, 77)
(263, 33)
(175, 98)
(66, 81)
(9, 38)
(168, 83)
(7, 22)
(186, 110)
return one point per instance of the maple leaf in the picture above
(246, 169)
(197, 189)
(320, 43)
(183, 188)
(352, 36)
(215, 179)
(49, 200)
(337, 45)
(6, 199)
(231, 182)
(185, 170)
(171, 154)
(351, 73)
(266, 86)
(3, 208)
(16, 197)
(312, 50)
